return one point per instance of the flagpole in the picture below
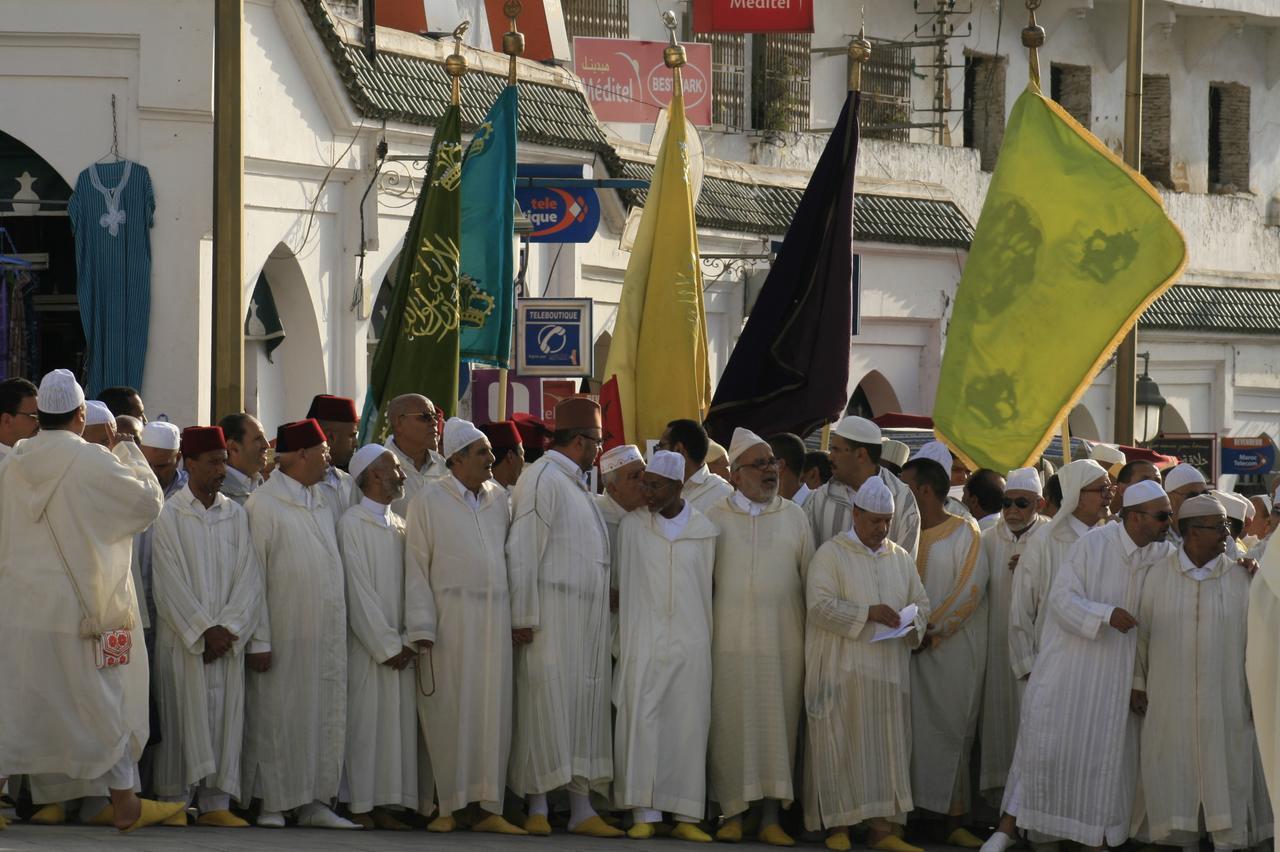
(1127, 353)
(512, 46)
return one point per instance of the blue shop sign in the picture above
(560, 214)
(555, 337)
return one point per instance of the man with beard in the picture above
(757, 649)
(208, 593)
(341, 425)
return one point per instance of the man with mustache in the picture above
(208, 592)
(757, 647)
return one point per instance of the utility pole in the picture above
(228, 206)
(1127, 353)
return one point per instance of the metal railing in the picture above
(598, 18)
(780, 65)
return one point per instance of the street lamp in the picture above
(1148, 404)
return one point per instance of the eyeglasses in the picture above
(32, 414)
(762, 465)
(420, 415)
(1106, 489)
(1159, 516)
(1020, 502)
(1223, 527)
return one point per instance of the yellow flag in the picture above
(659, 347)
(1071, 247)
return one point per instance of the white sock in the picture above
(769, 812)
(580, 809)
(537, 804)
(313, 808)
(683, 818)
(997, 842)
(645, 815)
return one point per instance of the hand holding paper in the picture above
(906, 624)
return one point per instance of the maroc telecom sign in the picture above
(753, 16)
(626, 80)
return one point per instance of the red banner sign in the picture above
(753, 16)
(626, 80)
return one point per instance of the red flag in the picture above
(611, 415)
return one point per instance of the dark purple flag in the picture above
(789, 368)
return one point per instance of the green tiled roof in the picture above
(766, 209)
(1193, 307)
(416, 91)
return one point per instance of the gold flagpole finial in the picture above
(1033, 38)
(859, 52)
(513, 41)
(455, 64)
(673, 56)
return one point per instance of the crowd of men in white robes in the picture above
(431, 631)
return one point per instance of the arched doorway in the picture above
(872, 397)
(37, 267)
(282, 371)
(1081, 424)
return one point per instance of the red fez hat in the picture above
(202, 439)
(336, 409)
(534, 434)
(502, 435)
(300, 435)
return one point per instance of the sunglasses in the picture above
(1020, 502)
(1159, 516)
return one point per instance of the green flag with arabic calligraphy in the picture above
(418, 350)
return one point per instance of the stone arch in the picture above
(278, 389)
(875, 393)
(1082, 425)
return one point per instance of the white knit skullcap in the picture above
(894, 452)
(59, 393)
(363, 457)
(1023, 479)
(1236, 506)
(161, 435)
(1142, 492)
(96, 414)
(1107, 455)
(875, 497)
(458, 435)
(860, 430)
(1201, 506)
(743, 440)
(667, 464)
(935, 451)
(620, 457)
(1183, 474)
(1266, 502)
(716, 452)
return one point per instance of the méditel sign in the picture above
(554, 337)
(1200, 451)
(626, 80)
(558, 214)
(753, 16)
(1253, 456)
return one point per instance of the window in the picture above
(1228, 137)
(600, 18)
(1072, 87)
(1156, 160)
(886, 91)
(780, 81)
(984, 105)
(728, 77)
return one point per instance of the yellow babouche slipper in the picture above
(51, 814)
(690, 831)
(154, 813)
(730, 832)
(838, 842)
(537, 824)
(221, 819)
(775, 836)
(442, 824)
(642, 831)
(890, 843)
(964, 838)
(596, 827)
(497, 824)
(106, 816)
(178, 820)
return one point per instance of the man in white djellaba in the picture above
(1075, 768)
(857, 687)
(757, 650)
(558, 564)
(458, 610)
(687, 438)
(68, 607)
(382, 735)
(208, 592)
(295, 727)
(1198, 743)
(662, 688)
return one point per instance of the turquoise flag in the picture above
(486, 295)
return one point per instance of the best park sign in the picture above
(753, 16)
(626, 80)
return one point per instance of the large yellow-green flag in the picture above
(1071, 247)
(659, 348)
